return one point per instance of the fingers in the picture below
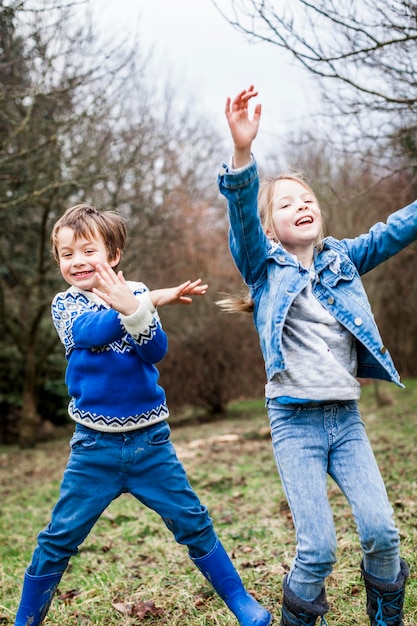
(236, 110)
(183, 286)
(191, 288)
(244, 96)
(247, 94)
(227, 107)
(196, 288)
(106, 273)
(99, 293)
(121, 277)
(108, 277)
(185, 300)
(194, 284)
(257, 112)
(110, 284)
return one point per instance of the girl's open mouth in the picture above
(306, 219)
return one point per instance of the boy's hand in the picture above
(243, 129)
(114, 290)
(180, 294)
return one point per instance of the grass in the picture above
(131, 571)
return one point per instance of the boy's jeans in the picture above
(100, 468)
(311, 441)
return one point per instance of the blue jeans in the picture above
(310, 442)
(100, 468)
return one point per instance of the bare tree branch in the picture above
(361, 51)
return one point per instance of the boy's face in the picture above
(78, 258)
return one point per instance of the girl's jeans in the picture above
(100, 468)
(311, 441)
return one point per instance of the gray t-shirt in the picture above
(320, 355)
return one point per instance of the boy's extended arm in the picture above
(178, 295)
(135, 313)
(115, 291)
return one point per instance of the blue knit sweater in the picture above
(111, 374)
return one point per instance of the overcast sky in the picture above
(198, 49)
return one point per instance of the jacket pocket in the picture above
(346, 273)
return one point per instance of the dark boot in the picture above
(298, 612)
(384, 601)
(37, 594)
(217, 567)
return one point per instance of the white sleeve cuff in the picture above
(236, 170)
(140, 321)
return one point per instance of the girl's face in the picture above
(78, 258)
(296, 217)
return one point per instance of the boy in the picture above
(113, 339)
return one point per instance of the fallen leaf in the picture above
(69, 595)
(139, 610)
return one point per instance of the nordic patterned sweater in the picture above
(111, 375)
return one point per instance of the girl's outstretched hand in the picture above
(178, 295)
(242, 128)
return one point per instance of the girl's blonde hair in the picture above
(87, 221)
(243, 303)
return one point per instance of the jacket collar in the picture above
(325, 258)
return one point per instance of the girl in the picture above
(317, 335)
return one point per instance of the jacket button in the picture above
(330, 300)
(281, 258)
(358, 321)
(222, 171)
(382, 349)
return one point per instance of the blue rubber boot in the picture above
(217, 567)
(37, 594)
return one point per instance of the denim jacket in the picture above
(275, 277)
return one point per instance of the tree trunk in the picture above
(30, 422)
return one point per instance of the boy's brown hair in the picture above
(86, 221)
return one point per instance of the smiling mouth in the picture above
(82, 274)
(306, 219)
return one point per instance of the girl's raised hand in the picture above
(178, 295)
(242, 128)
